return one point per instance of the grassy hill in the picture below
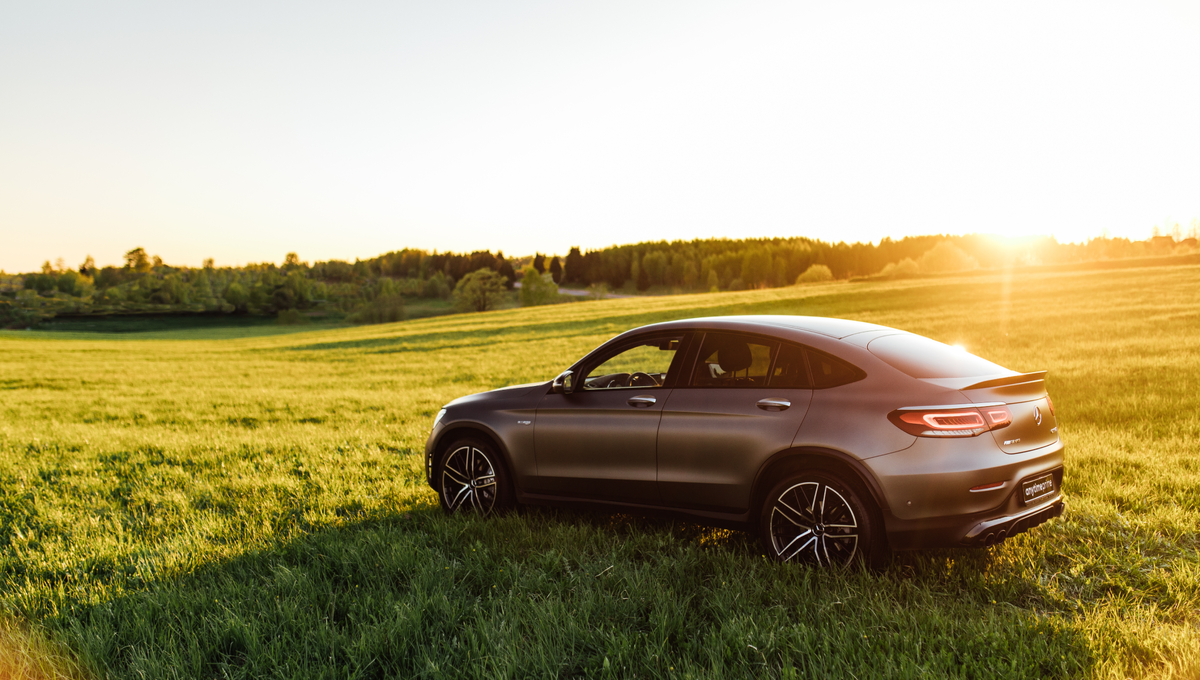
(211, 502)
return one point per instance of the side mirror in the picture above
(564, 383)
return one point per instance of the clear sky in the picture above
(244, 130)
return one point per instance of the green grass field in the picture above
(214, 503)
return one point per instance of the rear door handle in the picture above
(774, 404)
(641, 402)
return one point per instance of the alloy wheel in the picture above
(469, 481)
(812, 523)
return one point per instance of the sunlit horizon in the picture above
(243, 132)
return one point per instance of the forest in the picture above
(390, 286)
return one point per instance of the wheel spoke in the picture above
(812, 506)
(791, 514)
(811, 541)
(456, 475)
(457, 502)
(485, 481)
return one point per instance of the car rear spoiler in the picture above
(1017, 379)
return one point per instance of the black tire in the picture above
(818, 518)
(470, 476)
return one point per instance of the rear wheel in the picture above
(820, 519)
(472, 478)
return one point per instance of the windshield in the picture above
(924, 358)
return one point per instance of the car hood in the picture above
(512, 393)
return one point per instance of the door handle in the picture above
(641, 402)
(774, 404)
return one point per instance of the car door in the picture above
(743, 401)
(600, 441)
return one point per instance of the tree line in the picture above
(376, 289)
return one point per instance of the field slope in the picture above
(192, 504)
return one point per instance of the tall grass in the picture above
(209, 504)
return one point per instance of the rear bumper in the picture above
(995, 530)
(1009, 518)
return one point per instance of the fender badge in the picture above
(524, 422)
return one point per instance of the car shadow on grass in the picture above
(559, 594)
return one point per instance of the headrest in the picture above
(734, 355)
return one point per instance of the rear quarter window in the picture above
(829, 371)
(921, 357)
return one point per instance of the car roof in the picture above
(823, 325)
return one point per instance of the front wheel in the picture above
(472, 478)
(819, 519)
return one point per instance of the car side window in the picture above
(829, 371)
(643, 365)
(730, 360)
(790, 369)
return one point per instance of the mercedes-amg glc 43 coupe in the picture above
(835, 440)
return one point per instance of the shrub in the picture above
(904, 269)
(537, 289)
(946, 257)
(383, 309)
(438, 286)
(817, 273)
(479, 291)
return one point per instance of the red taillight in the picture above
(950, 422)
(998, 417)
(1050, 403)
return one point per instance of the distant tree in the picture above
(60, 266)
(47, 268)
(292, 261)
(107, 277)
(537, 289)
(574, 266)
(817, 273)
(479, 291)
(643, 279)
(593, 269)
(88, 268)
(42, 283)
(437, 286)
(157, 262)
(654, 266)
(539, 263)
(505, 269)
(556, 270)
(904, 269)
(70, 282)
(137, 260)
(713, 283)
(208, 263)
(946, 257)
(237, 296)
(757, 269)
(361, 270)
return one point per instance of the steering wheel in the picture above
(640, 379)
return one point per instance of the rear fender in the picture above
(792, 460)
